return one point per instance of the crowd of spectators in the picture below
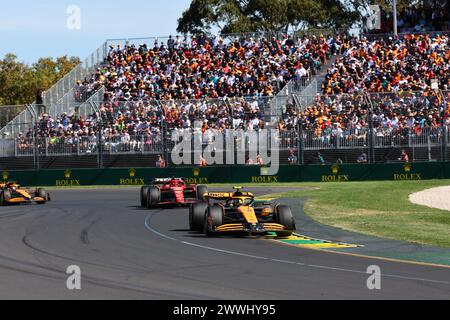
(398, 74)
(394, 117)
(217, 83)
(209, 67)
(238, 113)
(214, 85)
(418, 17)
(139, 125)
(391, 65)
(429, 16)
(84, 90)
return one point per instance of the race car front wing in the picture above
(259, 228)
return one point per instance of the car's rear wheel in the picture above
(5, 196)
(42, 193)
(213, 219)
(153, 196)
(201, 191)
(144, 191)
(197, 213)
(286, 219)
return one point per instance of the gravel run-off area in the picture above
(438, 198)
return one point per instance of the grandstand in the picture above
(379, 97)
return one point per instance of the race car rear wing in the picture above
(166, 180)
(11, 184)
(227, 195)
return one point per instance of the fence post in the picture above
(164, 135)
(430, 157)
(300, 141)
(100, 145)
(34, 123)
(444, 130)
(35, 157)
(36, 143)
(100, 150)
(300, 145)
(371, 144)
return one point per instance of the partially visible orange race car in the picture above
(12, 194)
(239, 212)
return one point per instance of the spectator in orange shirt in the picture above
(160, 162)
(202, 162)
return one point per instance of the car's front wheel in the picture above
(286, 219)
(213, 219)
(144, 191)
(42, 193)
(153, 196)
(197, 213)
(5, 196)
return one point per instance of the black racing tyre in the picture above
(285, 218)
(213, 219)
(197, 213)
(5, 195)
(153, 196)
(42, 193)
(144, 191)
(201, 190)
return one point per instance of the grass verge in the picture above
(380, 209)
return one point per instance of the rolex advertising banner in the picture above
(231, 174)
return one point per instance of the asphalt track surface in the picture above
(125, 252)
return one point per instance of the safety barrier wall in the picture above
(232, 174)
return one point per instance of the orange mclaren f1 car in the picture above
(239, 213)
(12, 194)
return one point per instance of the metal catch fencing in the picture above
(88, 145)
(90, 149)
(85, 69)
(62, 92)
(8, 113)
(187, 39)
(339, 124)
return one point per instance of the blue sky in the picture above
(38, 28)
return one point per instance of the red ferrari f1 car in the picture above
(171, 192)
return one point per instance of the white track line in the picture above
(148, 226)
(224, 251)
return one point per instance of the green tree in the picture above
(19, 82)
(233, 16)
(402, 5)
(12, 74)
(202, 15)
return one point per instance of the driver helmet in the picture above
(235, 203)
